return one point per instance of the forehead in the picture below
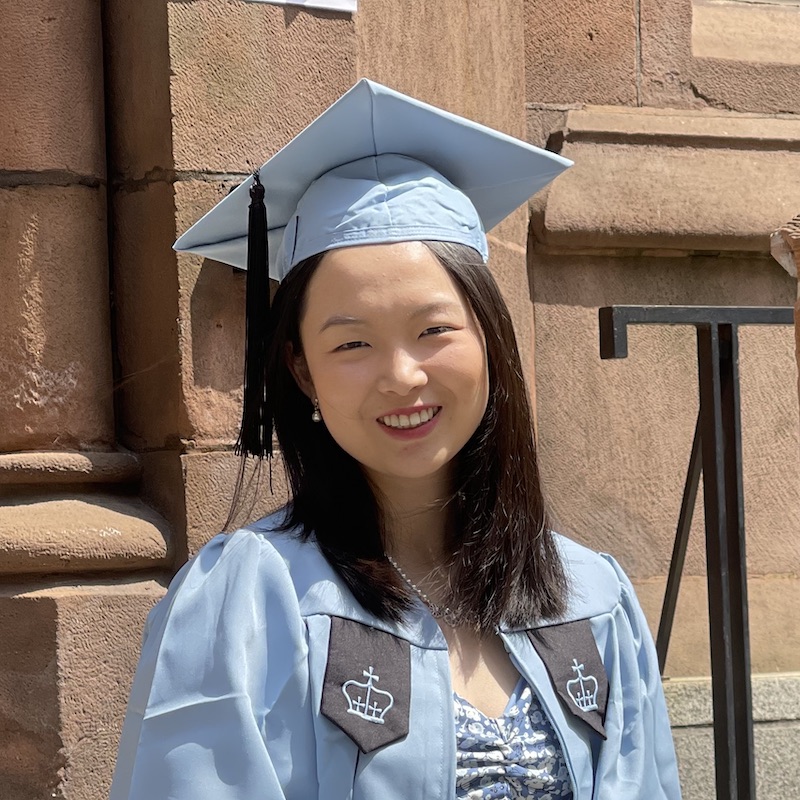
(381, 278)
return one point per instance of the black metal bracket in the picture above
(717, 453)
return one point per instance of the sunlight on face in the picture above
(396, 358)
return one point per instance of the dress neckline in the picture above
(513, 701)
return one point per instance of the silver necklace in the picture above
(437, 611)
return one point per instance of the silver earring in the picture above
(315, 415)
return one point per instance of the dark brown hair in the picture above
(505, 564)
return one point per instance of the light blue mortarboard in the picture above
(378, 167)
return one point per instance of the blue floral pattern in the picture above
(516, 755)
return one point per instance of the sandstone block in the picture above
(210, 479)
(146, 296)
(138, 87)
(666, 54)
(615, 436)
(212, 302)
(77, 533)
(247, 77)
(51, 88)
(708, 55)
(447, 53)
(69, 468)
(55, 351)
(648, 179)
(30, 740)
(582, 52)
(65, 672)
(773, 640)
(766, 34)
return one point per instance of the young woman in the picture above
(409, 626)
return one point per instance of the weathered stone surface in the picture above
(66, 665)
(51, 89)
(210, 479)
(56, 467)
(784, 244)
(543, 122)
(738, 31)
(146, 294)
(658, 180)
(136, 37)
(30, 740)
(447, 53)
(234, 105)
(59, 533)
(211, 336)
(672, 75)
(581, 52)
(55, 355)
(776, 733)
(774, 640)
(99, 635)
(615, 436)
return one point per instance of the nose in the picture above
(402, 373)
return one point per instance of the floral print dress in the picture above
(515, 755)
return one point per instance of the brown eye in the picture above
(436, 329)
(350, 346)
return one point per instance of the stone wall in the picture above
(685, 144)
(121, 394)
(120, 362)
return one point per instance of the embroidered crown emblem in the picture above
(583, 688)
(365, 700)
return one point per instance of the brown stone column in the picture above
(55, 354)
(182, 100)
(67, 496)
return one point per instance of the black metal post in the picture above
(718, 375)
(717, 451)
(679, 550)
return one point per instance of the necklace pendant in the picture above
(447, 615)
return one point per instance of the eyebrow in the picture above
(340, 319)
(422, 311)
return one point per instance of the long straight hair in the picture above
(505, 566)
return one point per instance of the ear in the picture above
(299, 369)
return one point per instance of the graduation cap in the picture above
(376, 167)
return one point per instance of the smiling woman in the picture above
(414, 345)
(409, 626)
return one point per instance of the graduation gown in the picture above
(262, 678)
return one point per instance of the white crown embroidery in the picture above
(583, 689)
(365, 701)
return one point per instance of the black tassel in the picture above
(255, 436)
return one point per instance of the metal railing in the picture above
(717, 454)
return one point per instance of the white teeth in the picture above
(412, 421)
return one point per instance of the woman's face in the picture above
(396, 358)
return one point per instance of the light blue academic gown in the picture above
(226, 700)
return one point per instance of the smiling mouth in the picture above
(408, 421)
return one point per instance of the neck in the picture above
(416, 518)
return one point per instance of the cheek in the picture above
(342, 390)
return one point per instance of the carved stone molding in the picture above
(785, 245)
(68, 467)
(80, 533)
(650, 181)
